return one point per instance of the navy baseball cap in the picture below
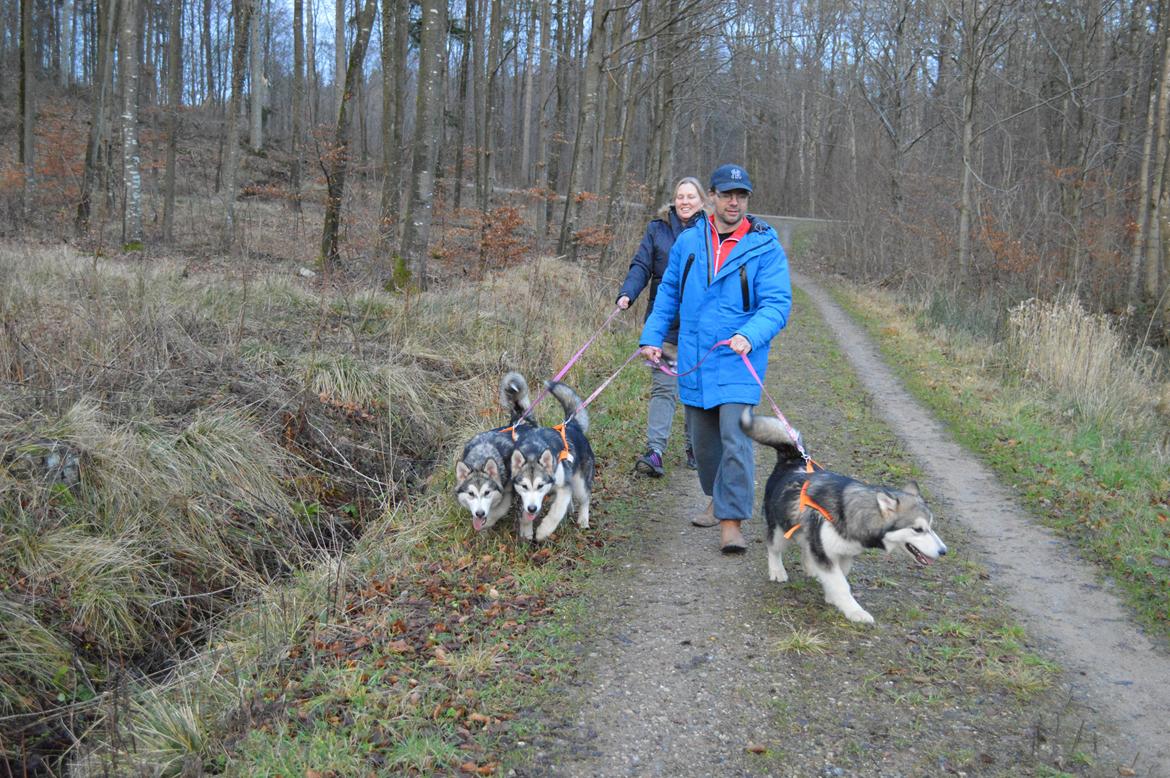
(728, 177)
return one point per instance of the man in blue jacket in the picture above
(727, 279)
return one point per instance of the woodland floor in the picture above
(1006, 658)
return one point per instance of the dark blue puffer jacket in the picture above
(649, 263)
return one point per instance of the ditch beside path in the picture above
(681, 670)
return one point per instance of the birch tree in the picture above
(132, 238)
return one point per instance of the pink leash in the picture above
(570, 363)
(788, 428)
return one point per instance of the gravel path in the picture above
(680, 675)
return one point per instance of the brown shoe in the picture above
(732, 539)
(707, 517)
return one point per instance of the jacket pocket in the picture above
(682, 281)
(743, 288)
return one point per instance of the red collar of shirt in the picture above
(721, 249)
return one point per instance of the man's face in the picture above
(730, 208)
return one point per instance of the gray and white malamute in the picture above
(560, 461)
(483, 474)
(856, 516)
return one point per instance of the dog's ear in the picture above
(548, 461)
(887, 503)
(492, 469)
(461, 470)
(517, 460)
(912, 488)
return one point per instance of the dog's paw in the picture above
(778, 576)
(542, 535)
(859, 616)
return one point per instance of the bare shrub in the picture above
(1085, 359)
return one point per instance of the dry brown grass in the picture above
(1086, 360)
(210, 418)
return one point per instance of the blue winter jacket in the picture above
(651, 259)
(751, 296)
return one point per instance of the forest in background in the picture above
(999, 149)
(219, 385)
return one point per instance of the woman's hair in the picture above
(664, 211)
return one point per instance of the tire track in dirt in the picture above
(1116, 669)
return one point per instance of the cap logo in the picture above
(735, 175)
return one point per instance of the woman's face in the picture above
(687, 201)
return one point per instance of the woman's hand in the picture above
(740, 345)
(623, 302)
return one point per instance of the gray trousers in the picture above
(659, 420)
(727, 463)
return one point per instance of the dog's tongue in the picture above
(919, 557)
(529, 517)
(477, 522)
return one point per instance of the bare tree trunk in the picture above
(335, 173)
(312, 91)
(1157, 199)
(541, 145)
(395, 21)
(174, 98)
(242, 13)
(586, 121)
(526, 110)
(298, 104)
(461, 100)
(208, 52)
(132, 238)
(970, 85)
(255, 87)
(66, 43)
(107, 16)
(667, 111)
(417, 222)
(338, 53)
(479, 84)
(27, 118)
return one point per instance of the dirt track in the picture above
(681, 673)
(1056, 595)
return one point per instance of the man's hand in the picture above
(623, 302)
(740, 345)
(653, 353)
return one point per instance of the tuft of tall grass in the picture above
(1085, 359)
(206, 420)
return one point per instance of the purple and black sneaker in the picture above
(650, 464)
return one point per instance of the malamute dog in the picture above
(859, 516)
(483, 473)
(554, 459)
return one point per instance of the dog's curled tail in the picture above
(570, 402)
(514, 395)
(770, 432)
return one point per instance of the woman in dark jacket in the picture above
(646, 268)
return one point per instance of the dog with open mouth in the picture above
(834, 518)
(483, 473)
(554, 460)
